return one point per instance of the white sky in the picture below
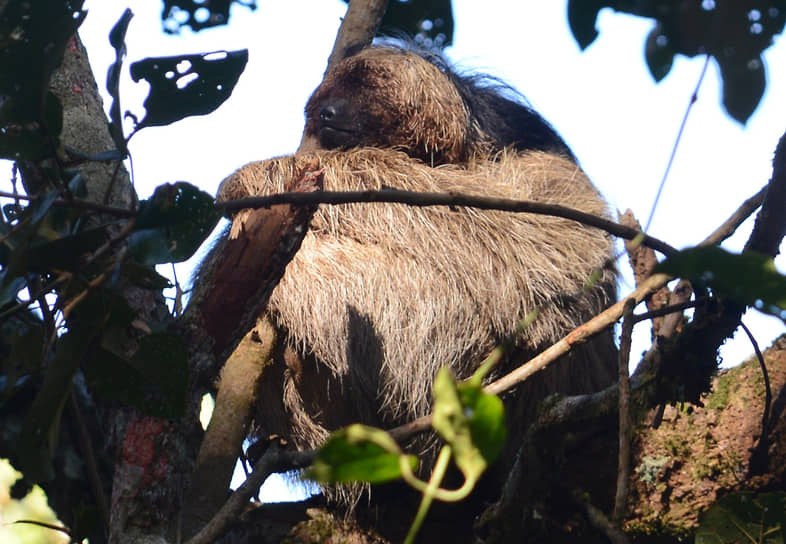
(619, 123)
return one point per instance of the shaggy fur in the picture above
(393, 98)
(380, 296)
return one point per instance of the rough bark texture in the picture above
(248, 265)
(696, 455)
(85, 127)
(699, 454)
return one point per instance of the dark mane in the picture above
(504, 116)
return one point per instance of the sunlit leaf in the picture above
(486, 416)
(470, 421)
(359, 453)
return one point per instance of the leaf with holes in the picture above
(199, 14)
(187, 84)
(172, 224)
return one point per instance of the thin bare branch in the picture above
(642, 260)
(760, 455)
(578, 336)
(625, 432)
(601, 522)
(446, 199)
(273, 460)
(736, 219)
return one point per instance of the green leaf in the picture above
(117, 39)
(745, 517)
(582, 15)
(749, 278)
(179, 13)
(33, 37)
(144, 276)
(359, 453)
(187, 84)
(658, 53)
(38, 439)
(154, 380)
(744, 82)
(172, 224)
(470, 421)
(66, 252)
(486, 416)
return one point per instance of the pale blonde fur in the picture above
(380, 296)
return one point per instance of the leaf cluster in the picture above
(68, 262)
(734, 33)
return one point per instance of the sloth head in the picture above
(394, 98)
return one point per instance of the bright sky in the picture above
(619, 123)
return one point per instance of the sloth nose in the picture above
(328, 112)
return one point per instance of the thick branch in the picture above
(358, 28)
(770, 227)
(247, 266)
(229, 426)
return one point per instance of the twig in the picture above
(666, 310)
(419, 199)
(623, 458)
(643, 261)
(600, 522)
(577, 336)
(693, 98)
(91, 465)
(273, 460)
(758, 462)
(736, 219)
(65, 276)
(77, 203)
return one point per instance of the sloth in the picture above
(380, 296)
